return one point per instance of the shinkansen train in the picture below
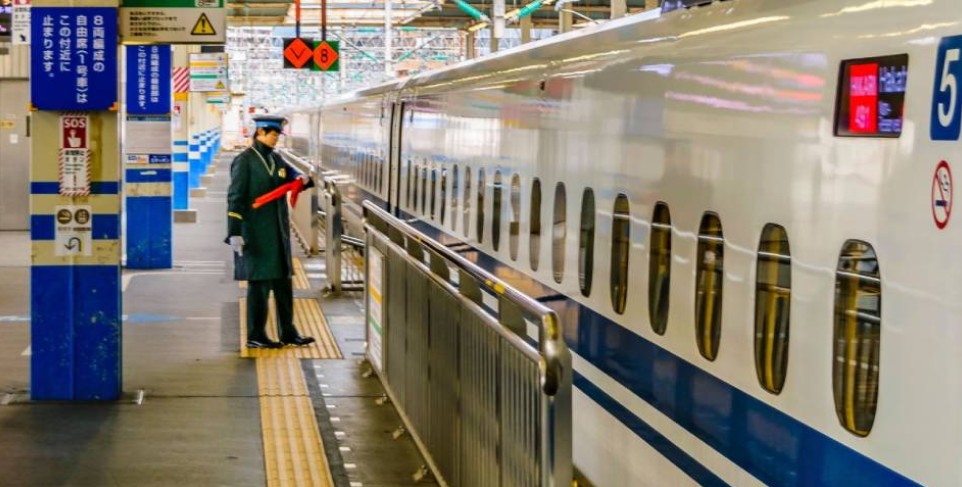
(742, 211)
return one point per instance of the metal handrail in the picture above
(300, 163)
(551, 345)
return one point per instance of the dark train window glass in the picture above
(496, 211)
(586, 242)
(858, 337)
(409, 184)
(620, 247)
(871, 97)
(534, 243)
(424, 189)
(710, 275)
(414, 184)
(480, 221)
(659, 268)
(380, 174)
(514, 228)
(559, 232)
(467, 201)
(773, 293)
(455, 197)
(434, 190)
(444, 194)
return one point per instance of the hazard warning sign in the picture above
(942, 195)
(140, 24)
(203, 27)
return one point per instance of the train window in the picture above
(773, 292)
(444, 193)
(559, 232)
(480, 224)
(586, 244)
(434, 189)
(380, 174)
(659, 268)
(409, 184)
(534, 242)
(467, 201)
(620, 246)
(858, 336)
(424, 188)
(514, 228)
(455, 196)
(710, 275)
(496, 212)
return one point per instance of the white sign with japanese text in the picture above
(21, 24)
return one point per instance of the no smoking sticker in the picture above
(942, 195)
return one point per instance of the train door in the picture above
(14, 155)
(394, 173)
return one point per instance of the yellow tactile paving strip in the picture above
(293, 450)
(310, 322)
(300, 277)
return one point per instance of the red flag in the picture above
(295, 187)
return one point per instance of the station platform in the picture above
(199, 408)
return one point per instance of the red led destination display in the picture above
(871, 97)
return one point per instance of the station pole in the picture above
(75, 302)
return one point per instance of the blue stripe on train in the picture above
(769, 444)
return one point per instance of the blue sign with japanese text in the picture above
(148, 80)
(73, 58)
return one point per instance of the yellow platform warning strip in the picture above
(293, 449)
(300, 277)
(309, 320)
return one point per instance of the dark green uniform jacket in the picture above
(266, 230)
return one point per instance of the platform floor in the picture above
(205, 417)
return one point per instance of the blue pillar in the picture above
(149, 218)
(75, 302)
(196, 166)
(181, 175)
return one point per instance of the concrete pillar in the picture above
(75, 305)
(619, 8)
(497, 25)
(470, 52)
(179, 133)
(565, 21)
(494, 42)
(526, 25)
(148, 158)
(388, 38)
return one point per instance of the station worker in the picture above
(260, 238)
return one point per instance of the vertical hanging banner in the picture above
(21, 22)
(73, 58)
(148, 80)
(74, 155)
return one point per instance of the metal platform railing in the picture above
(302, 216)
(342, 254)
(486, 407)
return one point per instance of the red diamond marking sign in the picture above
(297, 52)
(325, 56)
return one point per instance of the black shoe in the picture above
(298, 341)
(263, 343)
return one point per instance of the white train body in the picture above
(728, 108)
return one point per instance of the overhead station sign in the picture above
(208, 71)
(148, 80)
(173, 21)
(73, 58)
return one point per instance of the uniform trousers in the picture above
(258, 293)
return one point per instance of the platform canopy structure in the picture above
(384, 39)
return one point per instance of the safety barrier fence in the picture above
(485, 405)
(303, 215)
(342, 253)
